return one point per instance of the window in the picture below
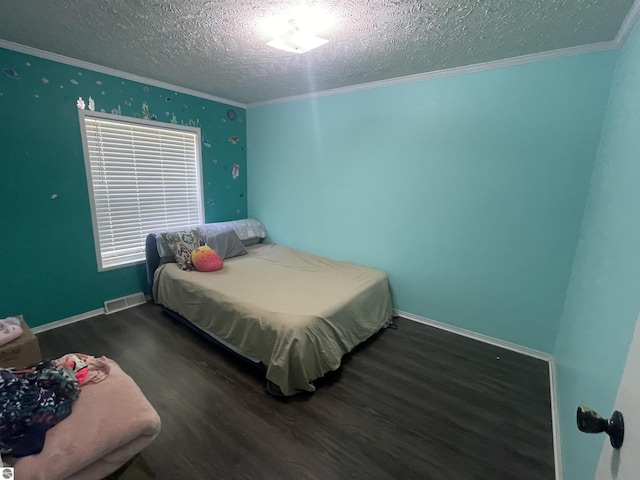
(143, 177)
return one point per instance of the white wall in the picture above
(624, 464)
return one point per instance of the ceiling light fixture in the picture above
(296, 41)
(296, 32)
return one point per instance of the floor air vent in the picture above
(117, 304)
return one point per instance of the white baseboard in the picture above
(477, 336)
(515, 348)
(133, 300)
(555, 420)
(67, 321)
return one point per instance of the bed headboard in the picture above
(153, 259)
(249, 231)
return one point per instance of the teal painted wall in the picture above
(467, 190)
(603, 299)
(47, 252)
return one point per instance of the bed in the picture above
(294, 313)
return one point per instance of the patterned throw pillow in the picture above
(182, 244)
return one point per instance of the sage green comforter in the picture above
(295, 312)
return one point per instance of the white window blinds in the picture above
(143, 177)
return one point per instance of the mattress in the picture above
(295, 312)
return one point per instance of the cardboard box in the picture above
(21, 352)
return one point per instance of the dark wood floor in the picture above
(412, 403)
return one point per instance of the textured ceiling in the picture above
(217, 47)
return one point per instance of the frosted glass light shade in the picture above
(297, 42)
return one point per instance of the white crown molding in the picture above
(477, 67)
(627, 24)
(67, 321)
(514, 347)
(625, 28)
(112, 71)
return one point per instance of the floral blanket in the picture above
(32, 400)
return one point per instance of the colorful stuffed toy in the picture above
(205, 259)
(87, 369)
